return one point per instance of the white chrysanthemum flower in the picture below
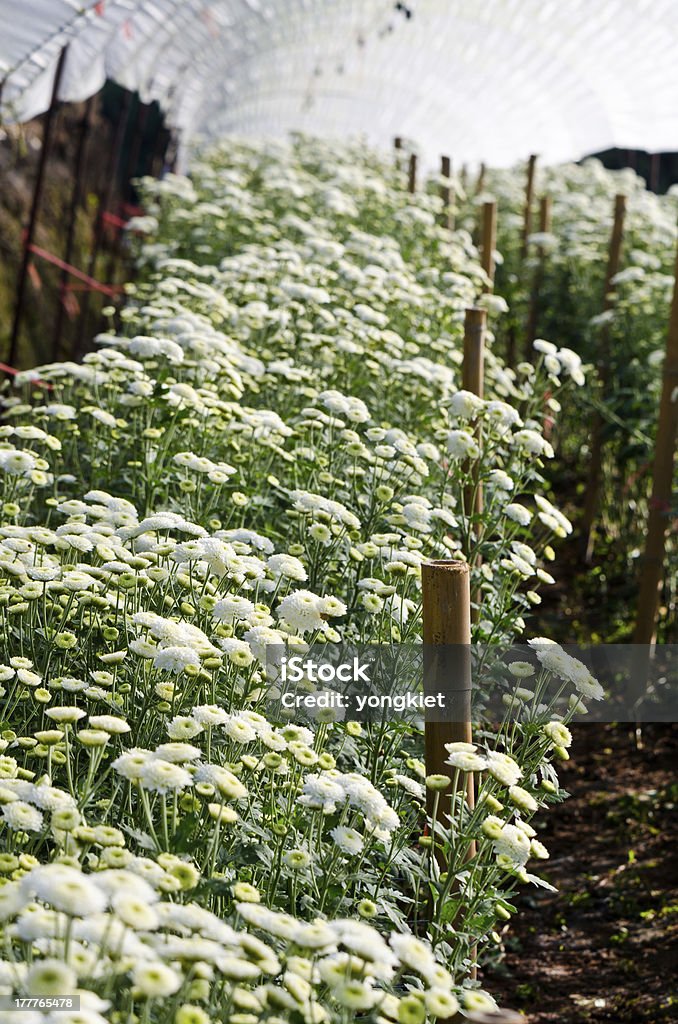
(466, 405)
(209, 715)
(558, 734)
(182, 727)
(161, 776)
(302, 611)
(228, 784)
(413, 952)
(518, 513)
(65, 714)
(22, 817)
(51, 977)
(461, 445)
(176, 659)
(466, 761)
(503, 768)
(513, 843)
(229, 609)
(132, 763)
(155, 980)
(177, 752)
(522, 799)
(347, 839)
(65, 889)
(110, 723)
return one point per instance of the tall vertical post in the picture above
(655, 166)
(76, 199)
(529, 197)
(533, 312)
(446, 601)
(446, 217)
(480, 183)
(35, 206)
(652, 563)
(412, 174)
(104, 203)
(594, 482)
(472, 371)
(489, 242)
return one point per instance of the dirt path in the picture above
(605, 949)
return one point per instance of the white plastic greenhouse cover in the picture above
(481, 79)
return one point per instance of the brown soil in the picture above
(605, 948)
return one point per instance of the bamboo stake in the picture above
(544, 228)
(446, 597)
(35, 207)
(446, 217)
(594, 483)
(529, 196)
(489, 242)
(412, 174)
(446, 605)
(472, 371)
(652, 564)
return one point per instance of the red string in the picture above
(90, 281)
(38, 383)
(112, 218)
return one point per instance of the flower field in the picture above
(263, 449)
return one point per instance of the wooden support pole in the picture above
(594, 482)
(538, 280)
(104, 203)
(529, 197)
(480, 183)
(77, 191)
(446, 216)
(489, 242)
(412, 174)
(446, 598)
(652, 564)
(655, 167)
(472, 371)
(446, 607)
(35, 207)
